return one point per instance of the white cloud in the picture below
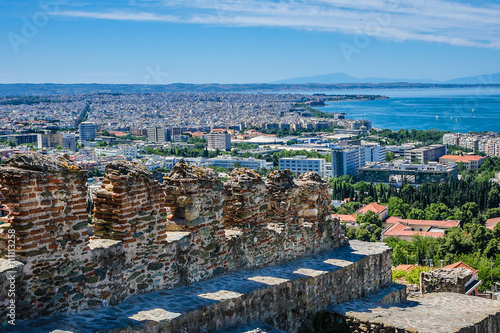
(438, 21)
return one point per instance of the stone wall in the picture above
(445, 280)
(213, 228)
(287, 296)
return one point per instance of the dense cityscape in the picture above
(387, 186)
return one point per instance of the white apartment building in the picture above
(129, 152)
(301, 164)
(227, 162)
(219, 141)
(372, 153)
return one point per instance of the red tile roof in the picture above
(401, 229)
(461, 264)
(345, 218)
(431, 223)
(491, 223)
(459, 158)
(374, 207)
(405, 267)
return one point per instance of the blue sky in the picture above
(229, 41)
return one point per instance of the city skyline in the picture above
(224, 41)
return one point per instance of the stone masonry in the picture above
(214, 228)
(445, 280)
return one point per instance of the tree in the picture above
(397, 207)
(369, 218)
(454, 242)
(416, 214)
(496, 230)
(437, 212)
(390, 156)
(399, 255)
(493, 198)
(492, 213)
(469, 210)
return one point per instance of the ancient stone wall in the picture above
(445, 280)
(46, 204)
(213, 228)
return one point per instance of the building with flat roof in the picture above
(345, 161)
(228, 162)
(157, 134)
(20, 139)
(425, 154)
(87, 130)
(220, 141)
(68, 141)
(301, 164)
(403, 171)
(470, 161)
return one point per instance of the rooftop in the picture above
(374, 207)
(431, 223)
(461, 264)
(459, 158)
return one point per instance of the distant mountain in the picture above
(480, 79)
(344, 78)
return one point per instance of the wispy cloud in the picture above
(439, 21)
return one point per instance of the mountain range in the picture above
(344, 78)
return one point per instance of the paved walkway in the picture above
(430, 313)
(177, 302)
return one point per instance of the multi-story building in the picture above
(400, 172)
(175, 134)
(301, 164)
(139, 132)
(49, 140)
(425, 154)
(219, 141)
(345, 161)
(87, 130)
(156, 134)
(489, 143)
(68, 141)
(228, 162)
(451, 139)
(371, 153)
(20, 139)
(470, 161)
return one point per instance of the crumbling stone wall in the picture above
(213, 228)
(46, 204)
(445, 280)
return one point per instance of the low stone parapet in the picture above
(283, 296)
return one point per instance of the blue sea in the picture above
(454, 109)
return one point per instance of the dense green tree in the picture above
(492, 213)
(397, 207)
(416, 214)
(454, 242)
(469, 211)
(369, 218)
